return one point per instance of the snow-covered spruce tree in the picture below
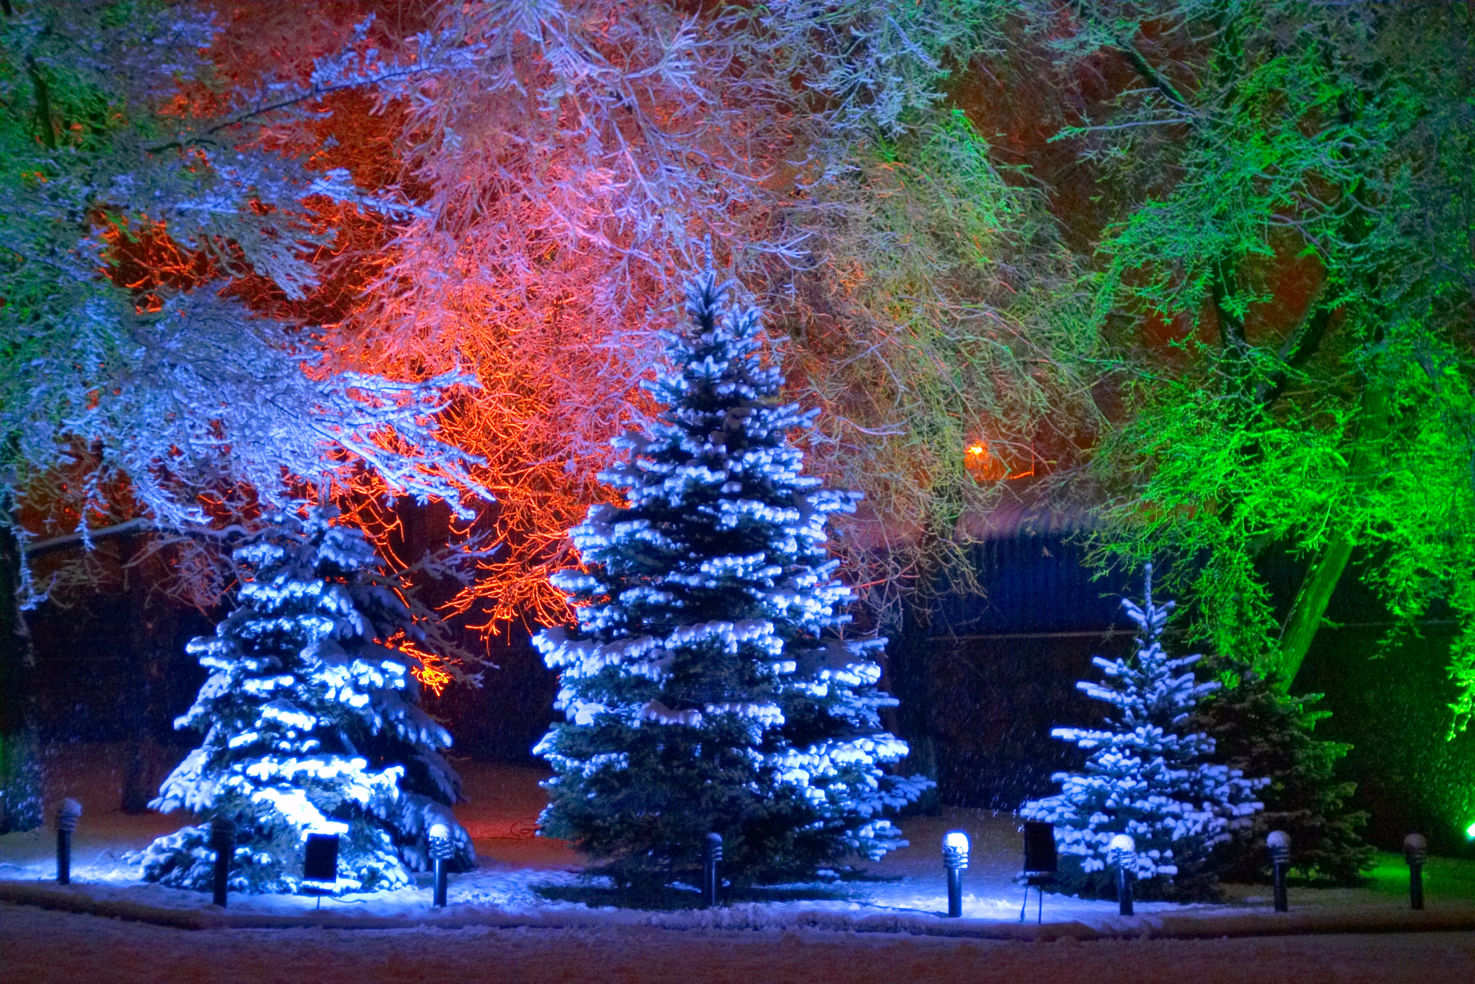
(1256, 726)
(706, 687)
(1146, 775)
(311, 724)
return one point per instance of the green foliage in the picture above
(1389, 709)
(1258, 729)
(1293, 215)
(954, 317)
(21, 788)
(924, 228)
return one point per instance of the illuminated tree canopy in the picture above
(506, 192)
(143, 197)
(1217, 251)
(1292, 226)
(589, 153)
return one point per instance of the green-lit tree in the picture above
(1287, 283)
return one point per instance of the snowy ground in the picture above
(38, 945)
(527, 912)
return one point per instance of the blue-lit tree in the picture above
(707, 686)
(311, 724)
(1147, 775)
(156, 347)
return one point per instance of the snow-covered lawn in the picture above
(526, 881)
(39, 946)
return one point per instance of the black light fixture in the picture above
(1041, 863)
(1122, 853)
(320, 864)
(223, 843)
(441, 850)
(68, 814)
(955, 859)
(711, 854)
(1415, 851)
(1279, 843)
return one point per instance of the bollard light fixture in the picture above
(955, 849)
(711, 855)
(1279, 843)
(441, 850)
(68, 815)
(1121, 849)
(955, 859)
(223, 843)
(1122, 853)
(1415, 853)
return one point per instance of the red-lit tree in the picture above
(526, 254)
(586, 155)
(519, 187)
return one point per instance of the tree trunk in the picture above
(1309, 607)
(909, 665)
(21, 785)
(1326, 570)
(150, 637)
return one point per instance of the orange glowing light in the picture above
(989, 467)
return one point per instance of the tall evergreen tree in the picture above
(706, 687)
(1147, 775)
(311, 724)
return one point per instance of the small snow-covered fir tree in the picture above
(706, 687)
(1146, 775)
(311, 724)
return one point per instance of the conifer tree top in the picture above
(720, 353)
